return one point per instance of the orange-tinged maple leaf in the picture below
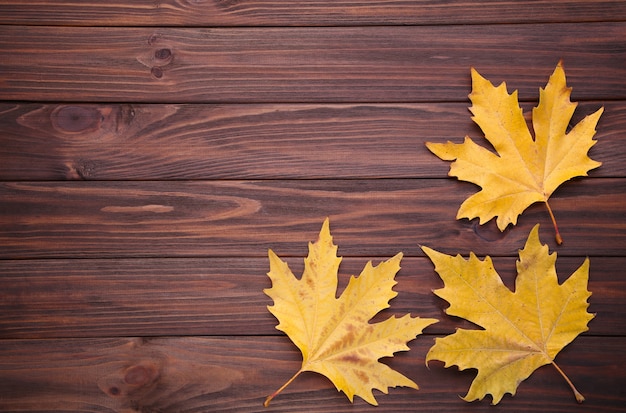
(334, 334)
(523, 170)
(523, 330)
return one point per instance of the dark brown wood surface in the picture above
(234, 374)
(281, 141)
(304, 13)
(245, 218)
(221, 296)
(304, 64)
(151, 152)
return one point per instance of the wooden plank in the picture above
(236, 374)
(301, 13)
(149, 163)
(224, 296)
(245, 218)
(271, 141)
(326, 64)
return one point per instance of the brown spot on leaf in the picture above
(352, 359)
(362, 376)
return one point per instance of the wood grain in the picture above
(223, 296)
(300, 13)
(151, 152)
(254, 141)
(327, 64)
(228, 374)
(245, 218)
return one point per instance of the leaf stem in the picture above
(579, 397)
(559, 240)
(271, 396)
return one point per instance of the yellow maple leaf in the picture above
(523, 170)
(523, 330)
(334, 334)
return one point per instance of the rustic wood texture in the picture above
(221, 296)
(327, 64)
(270, 141)
(245, 218)
(151, 152)
(223, 375)
(304, 13)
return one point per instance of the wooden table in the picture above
(151, 152)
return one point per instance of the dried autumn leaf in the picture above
(334, 334)
(523, 330)
(523, 170)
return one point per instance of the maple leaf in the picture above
(523, 170)
(523, 330)
(334, 334)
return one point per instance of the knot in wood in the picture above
(163, 54)
(75, 119)
(140, 375)
(157, 72)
